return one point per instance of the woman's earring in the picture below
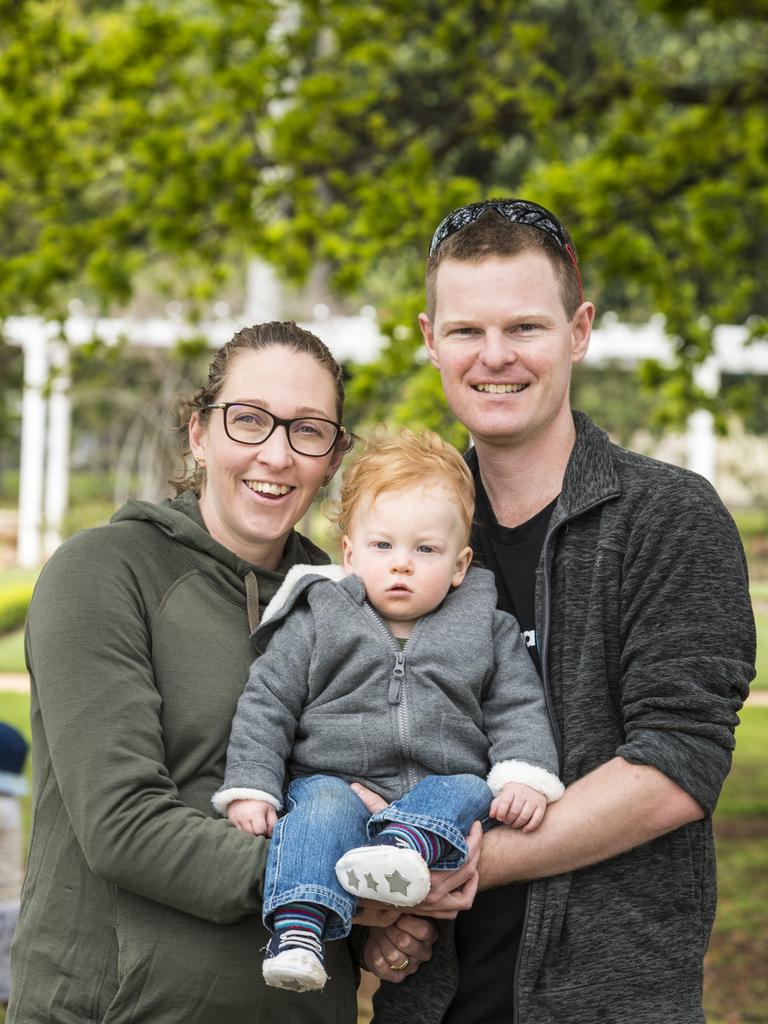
(200, 461)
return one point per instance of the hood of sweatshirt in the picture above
(181, 520)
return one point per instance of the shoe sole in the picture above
(384, 873)
(294, 970)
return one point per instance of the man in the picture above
(628, 580)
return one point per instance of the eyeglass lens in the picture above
(251, 425)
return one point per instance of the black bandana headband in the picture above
(516, 211)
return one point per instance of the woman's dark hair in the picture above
(254, 339)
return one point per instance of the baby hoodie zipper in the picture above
(397, 697)
(395, 691)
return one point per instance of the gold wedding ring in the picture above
(401, 967)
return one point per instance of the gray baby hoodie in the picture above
(334, 694)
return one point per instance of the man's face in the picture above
(504, 346)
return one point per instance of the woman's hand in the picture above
(405, 944)
(372, 801)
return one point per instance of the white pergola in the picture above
(46, 408)
(732, 353)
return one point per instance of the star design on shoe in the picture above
(371, 882)
(353, 880)
(397, 883)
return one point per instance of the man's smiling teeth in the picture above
(500, 389)
(263, 488)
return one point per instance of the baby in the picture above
(396, 671)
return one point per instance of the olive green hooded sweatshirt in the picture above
(140, 905)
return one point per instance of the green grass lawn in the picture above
(12, 652)
(12, 644)
(736, 983)
(760, 602)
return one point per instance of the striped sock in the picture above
(300, 917)
(429, 845)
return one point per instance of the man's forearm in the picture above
(613, 809)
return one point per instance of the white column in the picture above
(57, 467)
(702, 444)
(263, 301)
(35, 346)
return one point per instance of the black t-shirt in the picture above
(512, 554)
(488, 936)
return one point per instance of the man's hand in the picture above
(255, 816)
(453, 891)
(450, 891)
(519, 806)
(407, 942)
(371, 914)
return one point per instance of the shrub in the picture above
(14, 602)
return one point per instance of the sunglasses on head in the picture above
(516, 211)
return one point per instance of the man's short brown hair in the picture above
(492, 235)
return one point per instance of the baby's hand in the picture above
(519, 806)
(255, 816)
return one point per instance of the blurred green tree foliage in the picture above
(10, 396)
(172, 139)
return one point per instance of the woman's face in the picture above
(234, 505)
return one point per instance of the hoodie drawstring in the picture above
(252, 600)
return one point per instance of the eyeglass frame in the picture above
(511, 210)
(278, 421)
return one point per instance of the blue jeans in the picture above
(324, 819)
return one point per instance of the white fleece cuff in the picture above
(225, 797)
(332, 572)
(529, 775)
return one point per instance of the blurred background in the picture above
(173, 170)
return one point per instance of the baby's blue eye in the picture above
(426, 548)
(381, 545)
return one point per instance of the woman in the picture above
(138, 905)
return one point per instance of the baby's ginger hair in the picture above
(396, 462)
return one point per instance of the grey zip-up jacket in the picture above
(647, 648)
(334, 694)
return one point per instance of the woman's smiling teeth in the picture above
(261, 487)
(500, 389)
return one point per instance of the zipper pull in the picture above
(395, 683)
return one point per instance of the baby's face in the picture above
(408, 549)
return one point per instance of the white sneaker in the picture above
(389, 874)
(294, 961)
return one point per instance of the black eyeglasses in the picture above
(250, 424)
(516, 211)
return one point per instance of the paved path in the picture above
(18, 682)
